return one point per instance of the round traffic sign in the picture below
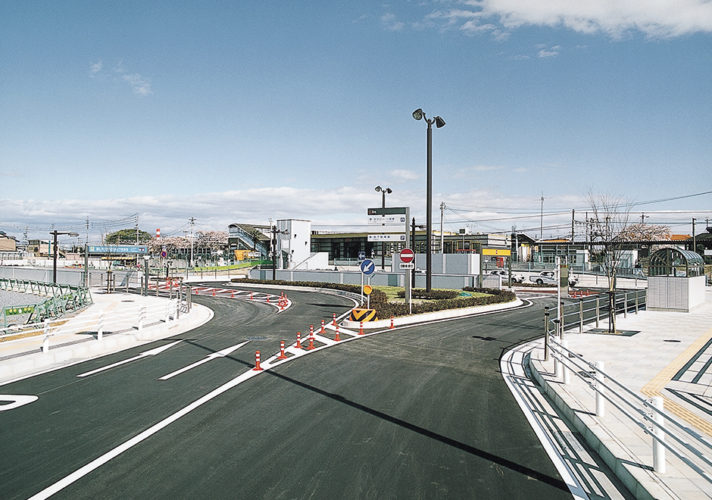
(163, 253)
(407, 255)
(367, 289)
(368, 267)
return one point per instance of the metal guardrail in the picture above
(61, 298)
(131, 322)
(592, 308)
(667, 432)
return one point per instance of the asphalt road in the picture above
(417, 412)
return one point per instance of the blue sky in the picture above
(245, 111)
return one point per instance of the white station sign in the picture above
(386, 220)
(394, 237)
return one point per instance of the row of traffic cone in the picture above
(310, 347)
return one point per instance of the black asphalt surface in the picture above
(418, 412)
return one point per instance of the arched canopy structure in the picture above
(675, 262)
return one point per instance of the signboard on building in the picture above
(104, 249)
(499, 252)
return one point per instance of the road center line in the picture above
(218, 354)
(151, 352)
(95, 464)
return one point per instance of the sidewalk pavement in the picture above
(77, 338)
(670, 356)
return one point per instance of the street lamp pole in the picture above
(383, 192)
(54, 251)
(418, 114)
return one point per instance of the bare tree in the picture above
(610, 229)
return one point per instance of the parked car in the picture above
(516, 278)
(549, 278)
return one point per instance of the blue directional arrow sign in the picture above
(368, 267)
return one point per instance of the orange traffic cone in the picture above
(281, 350)
(257, 367)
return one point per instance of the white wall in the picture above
(295, 244)
(675, 293)
(445, 263)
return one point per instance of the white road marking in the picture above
(15, 401)
(509, 357)
(95, 464)
(151, 352)
(215, 355)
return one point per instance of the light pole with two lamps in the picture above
(55, 233)
(383, 192)
(419, 114)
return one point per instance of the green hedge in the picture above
(385, 309)
(422, 293)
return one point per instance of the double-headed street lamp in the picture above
(383, 192)
(419, 114)
(54, 248)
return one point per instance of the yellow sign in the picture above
(367, 289)
(501, 252)
(363, 315)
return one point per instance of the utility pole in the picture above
(273, 230)
(573, 234)
(192, 223)
(694, 237)
(86, 258)
(442, 235)
(541, 218)
(136, 244)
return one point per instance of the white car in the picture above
(549, 278)
(516, 278)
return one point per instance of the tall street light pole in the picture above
(55, 233)
(383, 192)
(418, 114)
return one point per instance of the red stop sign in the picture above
(407, 255)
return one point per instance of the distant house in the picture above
(7, 243)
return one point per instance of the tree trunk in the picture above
(612, 303)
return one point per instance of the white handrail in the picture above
(651, 419)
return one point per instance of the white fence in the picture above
(63, 332)
(667, 433)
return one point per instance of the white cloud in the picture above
(391, 23)
(139, 84)
(95, 68)
(407, 175)
(552, 51)
(656, 19)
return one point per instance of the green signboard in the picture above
(387, 211)
(11, 311)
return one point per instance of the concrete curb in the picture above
(640, 482)
(433, 316)
(66, 355)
